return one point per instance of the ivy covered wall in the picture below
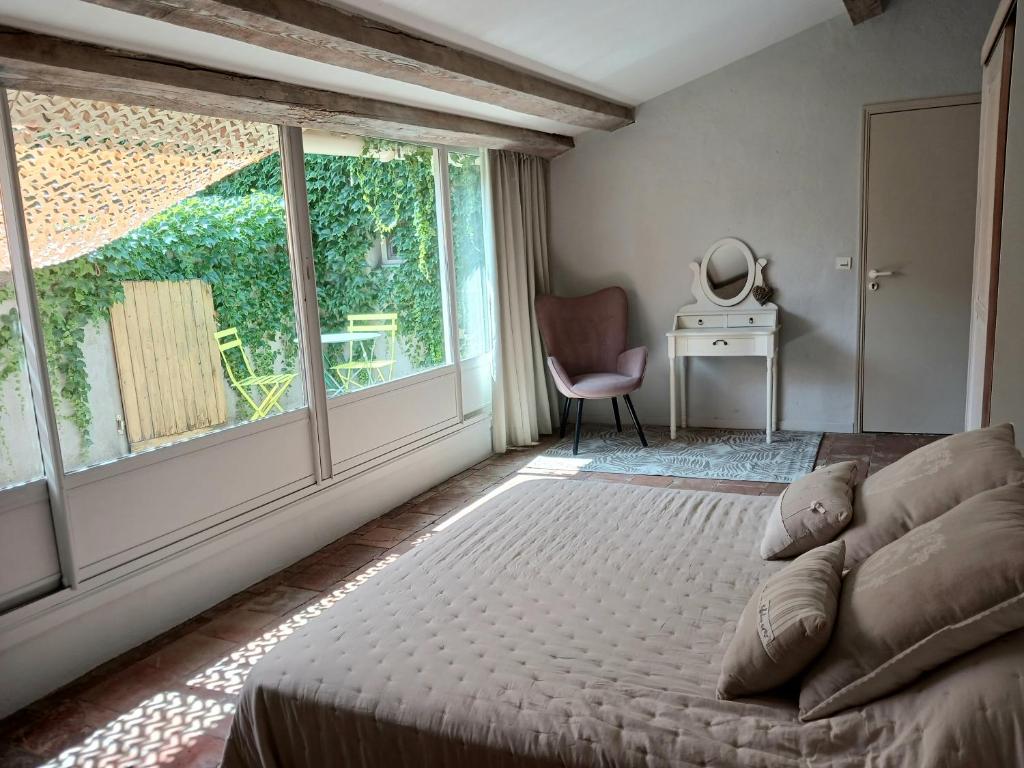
(233, 236)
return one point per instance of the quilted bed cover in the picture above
(567, 623)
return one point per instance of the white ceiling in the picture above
(626, 50)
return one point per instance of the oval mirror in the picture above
(727, 272)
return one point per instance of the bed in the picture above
(566, 623)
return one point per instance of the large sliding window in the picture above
(159, 248)
(167, 257)
(373, 216)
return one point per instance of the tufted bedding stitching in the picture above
(583, 624)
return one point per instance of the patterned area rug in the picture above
(718, 454)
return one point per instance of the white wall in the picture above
(104, 404)
(63, 642)
(19, 441)
(28, 548)
(768, 150)
(20, 459)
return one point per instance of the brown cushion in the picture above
(785, 625)
(927, 483)
(943, 589)
(811, 511)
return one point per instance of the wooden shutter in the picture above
(168, 363)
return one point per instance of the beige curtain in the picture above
(524, 405)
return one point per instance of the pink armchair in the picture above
(585, 339)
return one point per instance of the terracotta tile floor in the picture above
(169, 702)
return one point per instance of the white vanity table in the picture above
(725, 321)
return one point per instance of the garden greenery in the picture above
(233, 236)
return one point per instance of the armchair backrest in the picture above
(586, 334)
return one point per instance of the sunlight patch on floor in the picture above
(564, 465)
(151, 734)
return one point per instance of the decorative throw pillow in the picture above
(811, 511)
(785, 625)
(927, 483)
(941, 590)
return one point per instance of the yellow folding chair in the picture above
(270, 386)
(363, 358)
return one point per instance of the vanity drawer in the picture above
(753, 320)
(702, 321)
(711, 346)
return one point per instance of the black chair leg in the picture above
(565, 417)
(615, 409)
(636, 421)
(579, 427)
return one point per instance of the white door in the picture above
(919, 206)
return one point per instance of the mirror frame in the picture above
(751, 272)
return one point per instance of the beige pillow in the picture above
(927, 483)
(785, 625)
(943, 589)
(811, 511)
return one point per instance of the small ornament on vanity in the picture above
(762, 293)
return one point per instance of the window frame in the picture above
(58, 482)
(35, 355)
(449, 300)
(446, 265)
(488, 357)
(387, 257)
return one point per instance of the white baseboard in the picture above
(57, 646)
(795, 425)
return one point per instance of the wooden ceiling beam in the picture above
(862, 10)
(314, 30)
(46, 64)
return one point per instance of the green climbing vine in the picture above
(468, 246)
(233, 236)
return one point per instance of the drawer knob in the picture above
(700, 321)
(716, 342)
(750, 320)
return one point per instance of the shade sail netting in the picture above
(92, 171)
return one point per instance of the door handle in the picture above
(874, 274)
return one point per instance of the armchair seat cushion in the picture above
(600, 385)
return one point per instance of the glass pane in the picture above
(20, 457)
(159, 247)
(473, 280)
(373, 217)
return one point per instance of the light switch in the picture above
(844, 263)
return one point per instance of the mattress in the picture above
(583, 624)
